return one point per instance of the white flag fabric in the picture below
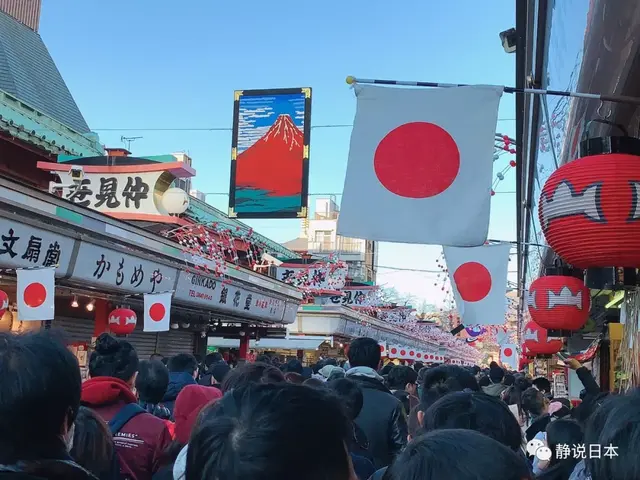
(383, 349)
(421, 165)
(157, 312)
(478, 278)
(509, 355)
(36, 294)
(394, 351)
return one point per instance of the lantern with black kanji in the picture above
(122, 321)
(589, 208)
(537, 343)
(559, 303)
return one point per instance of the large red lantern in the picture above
(537, 342)
(589, 211)
(122, 321)
(559, 302)
(4, 302)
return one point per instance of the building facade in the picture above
(26, 12)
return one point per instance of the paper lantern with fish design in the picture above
(537, 343)
(558, 302)
(4, 302)
(122, 321)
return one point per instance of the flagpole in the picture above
(531, 91)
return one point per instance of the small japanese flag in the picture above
(394, 351)
(509, 356)
(157, 312)
(478, 277)
(36, 294)
(383, 349)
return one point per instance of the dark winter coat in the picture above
(177, 381)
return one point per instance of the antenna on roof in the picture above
(127, 141)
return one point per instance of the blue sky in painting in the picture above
(257, 114)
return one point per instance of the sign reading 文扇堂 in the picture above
(211, 292)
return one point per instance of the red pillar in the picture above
(101, 323)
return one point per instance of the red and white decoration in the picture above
(383, 349)
(4, 302)
(36, 294)
(537, 343)
(559, 302)
(122, 321)
(509, 355)
(403, 354)
(394, 351)
(422, 159)
(478, 278)
(157, 312)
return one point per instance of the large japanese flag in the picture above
(157, 312)
(509, 355)
(421, 165)
(36, 294)
(478, 276)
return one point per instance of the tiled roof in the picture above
(28, 73)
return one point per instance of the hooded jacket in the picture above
(382, 417)
(495, 389)
(143, 439)
(177, 381)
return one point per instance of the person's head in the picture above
(115, 358)
(293, 377)
(93, 446)
(474, 411)
(263, 359)
(542, 384)
(183, 363)
(314, 383)
(483, 380)
(212, 359)
(460, 455)
(39, 395)
(513, 394)
(496, 374)
(152, 381)
(493, 364)
(190, 402)
(417, 366)
(219, 372)
(475, 370)
(364, 352)
(403, 378)
(443, 379)
(251, 373)
(350, 396)
(255, 432)
(534, 403)
(508, 379)
(294, 365)
(562, 432)
(156, 356)
(386, 369)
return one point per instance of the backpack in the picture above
(116, 424)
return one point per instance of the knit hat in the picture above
(219, 371)
(191, 400)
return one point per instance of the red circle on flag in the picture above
(411, 353)
(430, 356)
(394, 350)
(417, 160)
(508, 352)
(381, 348)
(157, 312)
(403, 352)
(419, 355)
(34, 295)
(473, 281)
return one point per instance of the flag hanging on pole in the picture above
(36, 294)
(157, 312)
(421, 165)
(509, 355)
(478, 278)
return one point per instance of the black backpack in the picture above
(116, 424)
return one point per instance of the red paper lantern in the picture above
(537, 342)
(4, 302)
(559, 302)
(122, 321)
(589, 211)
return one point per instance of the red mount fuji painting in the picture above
(270, 154)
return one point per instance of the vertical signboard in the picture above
(270, 153)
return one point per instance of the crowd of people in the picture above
(180, 419)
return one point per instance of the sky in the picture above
(166, 71)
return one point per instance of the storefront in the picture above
(102, 263)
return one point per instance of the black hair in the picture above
(533, 402)
(294, 366)
(386, 369)
(496, 374)
(350, 395)
(513, 394)
(443, 379)
(437, 455)
(484, 381)
(314, 383)
(39, 394)
(400, 376)
(263, 358)
(93, 446)
(219, 371)
(242, 435)
(294, 377)
(113, 357)
(493, 364)
(508, 379)
(417, 366)
(475, 370)
(561, 432)
(364, 352)
(156, 356)
(251, 373)
(542, 384)
(331, 361)
(475, 411)
(212, 358)
(152, 381)
(183, 362)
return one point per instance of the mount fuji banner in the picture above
(421, 165)
(270, 153)
(478, 278)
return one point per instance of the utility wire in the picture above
(419, 269)
(314, 194)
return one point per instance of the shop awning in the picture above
(270, 343)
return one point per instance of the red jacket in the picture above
(142, 441)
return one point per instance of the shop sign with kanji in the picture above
(97, 265)
(24, 246)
